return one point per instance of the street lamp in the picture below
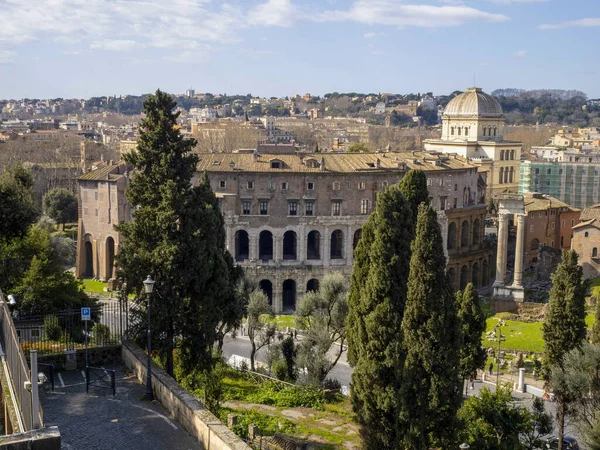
(149, 287)
(464, 446)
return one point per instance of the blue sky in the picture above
(83, 48)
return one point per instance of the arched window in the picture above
(242, 245)
(484, 131)
(512, 154)
(464, 277)
(484, 273)
(505, 175)
(511, 173)
(357, 236)
(594, 252)
(110, 257)
(289, 296)
(501, 155)
(464, 234)
(476, 232)
(267, 287)
(313, 245)
(466, 131)
(501, 175)
(452, 236)
(452, 131)
(312, 285)
(586, 234)
(494, 131)
(337, 242)
(289, 245)
(89, 257)
(459, 129)
(534, 244)
(265, 245)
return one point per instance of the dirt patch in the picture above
(293, 414)
(241, 405)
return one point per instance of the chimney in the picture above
(255, 156)
(322, 164)
(378, 163)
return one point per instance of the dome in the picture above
(473, 103)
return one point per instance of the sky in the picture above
(85, 48)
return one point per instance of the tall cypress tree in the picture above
(430, 393)
(414, 188)
(376, 306)
(564, 325)
(177, 236)
(472, 321)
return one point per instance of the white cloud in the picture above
(521, 53)
(511, 2)
(369, 35)
(582, 23)
(119, 45)
(399, 14)
(6, 56)
(280, 13)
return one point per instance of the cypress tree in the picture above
(472, 320)
(376, 307)
(430, 392)
(414, 188)
(564, 326)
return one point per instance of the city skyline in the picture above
(73, 49)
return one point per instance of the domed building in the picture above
(473, 127)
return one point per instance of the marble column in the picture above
(518, 279)
(502, 250)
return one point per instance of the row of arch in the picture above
(93, 266)
(466, 237)
(288, 292)
(459, 130)
(479, 275)
(290, 245)
(507, 155)
(487, 131)
(506, 175)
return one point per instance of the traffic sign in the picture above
(86, 314)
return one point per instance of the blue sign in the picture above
(86, 314)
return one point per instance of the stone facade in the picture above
(586, 241)
(292, 218)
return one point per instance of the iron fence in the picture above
(64, 330)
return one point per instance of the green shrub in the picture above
(272, 393)
(52, 329)
(100, 334)
(267, 425)
(279, 369)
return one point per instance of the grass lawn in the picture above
(283, 321)
(96, 287)
(595, 286)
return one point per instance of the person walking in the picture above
(491, 367)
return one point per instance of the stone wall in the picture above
(43, 439)
(183, 406)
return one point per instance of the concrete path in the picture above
(100, 421)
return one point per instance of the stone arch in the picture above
(452, 236)
(110, 257)
(313, 245)
(289, 296)
(501, 175)
(265, 245)
(312, 285)
(356, 238)
(88, 271)
(289, 245)
(485, 273)
(242, 245)
(475, 275)
(464, 234)
(337, 245)
(464, 277)
(452, 131)
(267, 287)
(484, 131)
(495, 130)
(476, 232)
(535, 243)
(512, 154)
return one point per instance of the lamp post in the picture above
(148, 287)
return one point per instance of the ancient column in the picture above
(502, 249)
(518, 279)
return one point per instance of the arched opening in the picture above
(534, 244)
(595, 252)
(510, 174)
(501, 175)
(452, 236)
(267, 287)
(464, 234)
(265, 245)
(452, 131)
(464, 277)
(475, 276)
(242, 245)
(313, 245)
(485, 273)
(484, 131)
(289, 296)
(506, 175)
(452, 276)
(312, 285)
(501, 155)
(476, 232)
(512, 154)
(356, 238)
(110, 257)
(289, 245)
(89, 260)
(337, 242)
(494, 131)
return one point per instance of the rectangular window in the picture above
(336, 185)
(263, 207)
(362, 186)
(560, 171)
(442, 203)
(348, 185)
(455, 202)
(284, 186)
(96, 212)
(96, 195)
(309, 208)
(441, 181)
(549, 171)
(222, 184)
(455, 187)
(293, 208)
(364, 206)
(35, 332)
(429, 182)
(572, 222)
(563, 224)
(250, 185)
(540, 213)
(310, 186)
(246, 207)
(271, 186)
(336, 208)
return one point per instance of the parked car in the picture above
(569, 443)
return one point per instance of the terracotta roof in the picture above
(334, 162)
(593, 223)
(542, 203)
(593, 212)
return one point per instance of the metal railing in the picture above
(19, 370)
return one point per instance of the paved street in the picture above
(100, 422)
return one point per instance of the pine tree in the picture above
(177, 236)
(564, 326)
(376, 307)
(472, 319)
(414, 188)
(430, 392)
